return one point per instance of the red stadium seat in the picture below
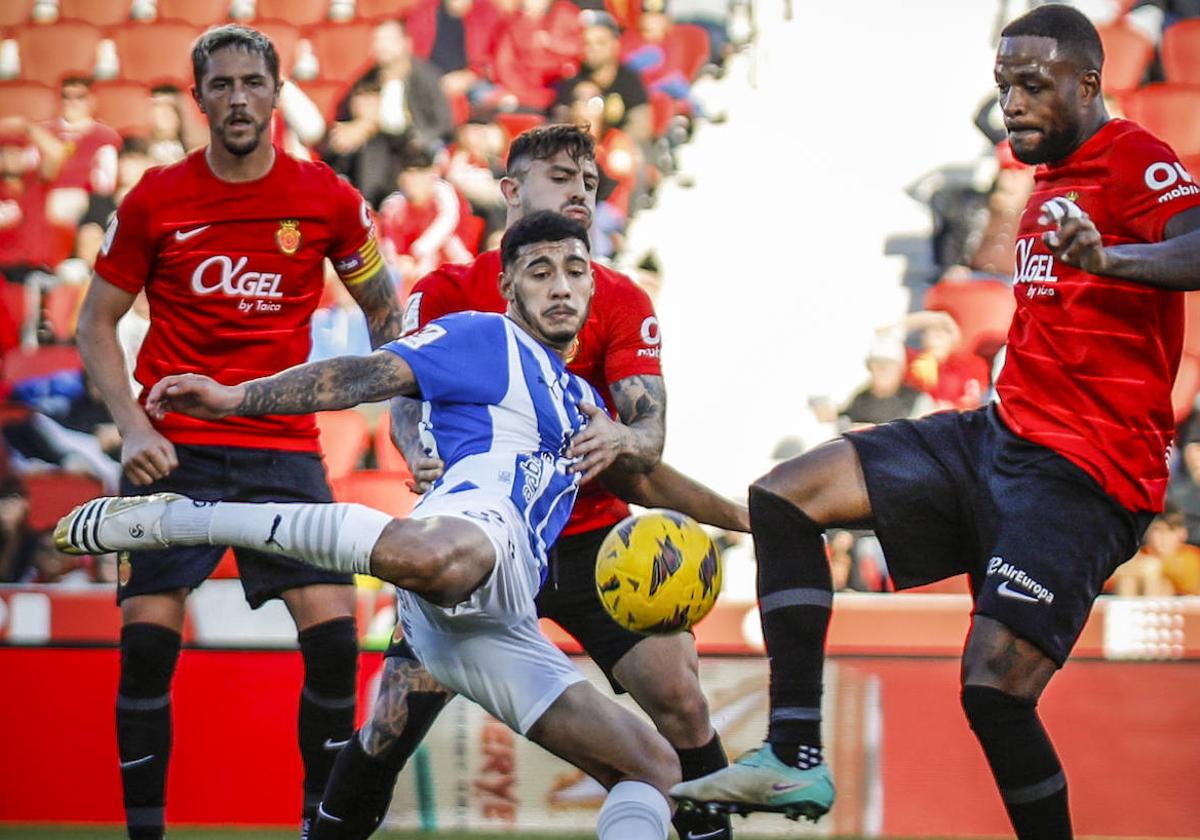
(14, 297)
(60, 306)
(202, 13)
(982, 308)
(31, 100)
(515, 123)
(380, 10)
(284, 36)
(156, 53)
(125, 106)
(1181, 52)
(345, 436)
(102, 13)
(1172, 112)
(325, 95)
(380, 489)
(299, 12)
(343, 50)
(1127, 54)
(15, 12)
(41, 361)
(52, 495)
(51, 51)
(387, 456)
(694, 47)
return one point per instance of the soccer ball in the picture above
(658, 572)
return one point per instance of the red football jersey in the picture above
(233, 273)
(91, 161)
(619, 339)
(1091, 359)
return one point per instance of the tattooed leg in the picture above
(1003, 677)
(360, 788)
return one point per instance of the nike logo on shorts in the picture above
(1005, 590)
(692, 835)
(331, 744)
(184, 235)
(125, 765)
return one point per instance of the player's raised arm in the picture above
(666, 487)
(341, 382)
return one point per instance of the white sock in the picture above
(335, 536)
(634, 811)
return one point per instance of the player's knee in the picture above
(148, 656)
(991, 711)
(657, 763)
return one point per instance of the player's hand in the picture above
(194, 395)
(1075, 239)
(147, 456)
(425, 472)
(598, 444)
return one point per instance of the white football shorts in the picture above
(489, 648)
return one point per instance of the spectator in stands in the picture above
(536, 50)
(954, 377)
(397, 102)
(29, 158)
(16, 540)
(626, 104)
(616, 158)
(886, 397)
(135, 157)
(1165, 565)
(1183, 491)
(476, 167)
(171, 137)
(90, 162)
(420, 223)
(458, 37)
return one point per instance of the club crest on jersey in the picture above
(288, 236)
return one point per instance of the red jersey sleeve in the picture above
(126, 257)
(354, 250)
(436, 294)
(633, 346)
(1151, 184)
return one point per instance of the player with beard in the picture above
(554, 168)
(229, 245)
(506, 414)
(1039, 497)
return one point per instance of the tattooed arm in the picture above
(641, 404)
(376, 297)
(327, 385)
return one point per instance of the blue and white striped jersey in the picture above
(499, 409)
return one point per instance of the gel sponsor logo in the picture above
(221, 274)
(1016, 584)
(1033, 268)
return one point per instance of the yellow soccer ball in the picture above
(658, 572)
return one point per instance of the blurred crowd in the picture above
(413, 101)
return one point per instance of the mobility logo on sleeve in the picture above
(1017, 584)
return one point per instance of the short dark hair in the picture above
(75, 79)
(1068, 26)
(134, 145)
(546, 141)
(233, 36)
(542, 226)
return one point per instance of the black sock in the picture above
(795, 596)
(360, 787)
(148, 656)
(327, 702)
(696, 762)
(1023, 762)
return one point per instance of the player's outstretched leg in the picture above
(360, 788)
(440, 558)
(789, 510)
